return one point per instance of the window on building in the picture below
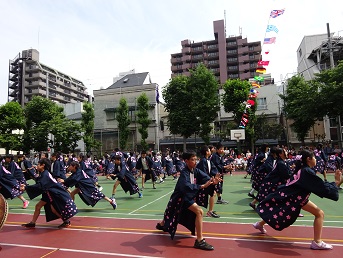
(30, 74)
(251, 48)
(132, 115)
(300, 52)
(196, 48)
(294, 135)
(212, 54)
(232, 43)
(233, 67)
(252, 65)
(232, 59)
(111, 115)
(212, 46)
(261, 103)
(197, 56)
(232, 51)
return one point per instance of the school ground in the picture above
(129, 231)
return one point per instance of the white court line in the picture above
(247, 239)
(79, 251)
(150, 202)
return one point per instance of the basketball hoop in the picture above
(237, 136)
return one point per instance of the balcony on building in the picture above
(241, 41)
(245, 75)
(186, 58)
(232, 68)
(231, 52)
(212, 48)
(245, 67)
(254, 47)
(242, 50)
(176, 59)
(186, 50)
(13, 85)
(32, 68)
(175, 68)
(243, 58)
(232, 61)
(212, 56)
(197, 49)
(231, 45)
(213, 63)
(186, 66)
(233, 75)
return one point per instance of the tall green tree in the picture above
(39, 113)
(204, 87)
(12, 122)
(143, 119)
(192, 103)
(65, 134)
(122, 116)
(265, 129)
(87, 125)
(300, 102)
(236, 93)
(331, 91)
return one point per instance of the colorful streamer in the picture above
(271, 28)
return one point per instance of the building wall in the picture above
(306, 66)
(106, 126)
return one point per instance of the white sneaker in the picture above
(320, 246)
(258, 226)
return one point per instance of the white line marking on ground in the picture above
(151, 202)
(79, 251)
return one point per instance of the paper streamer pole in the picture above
(271, 28)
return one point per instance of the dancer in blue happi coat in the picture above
(56, 201)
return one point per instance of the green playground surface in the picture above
(154, 201)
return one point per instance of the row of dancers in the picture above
(283, 187)
(281, 197)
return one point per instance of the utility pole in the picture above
(332, 65)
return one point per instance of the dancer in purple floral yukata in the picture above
(55, 199)
(191, 192)
(281, 208)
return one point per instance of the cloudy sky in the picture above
(95, 40)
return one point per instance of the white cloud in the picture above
(95, 40)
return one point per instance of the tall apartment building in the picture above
(28, 77)
(227, 57)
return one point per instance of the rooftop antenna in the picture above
(225, 22)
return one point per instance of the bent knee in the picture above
(320, 213)
(199, 211)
